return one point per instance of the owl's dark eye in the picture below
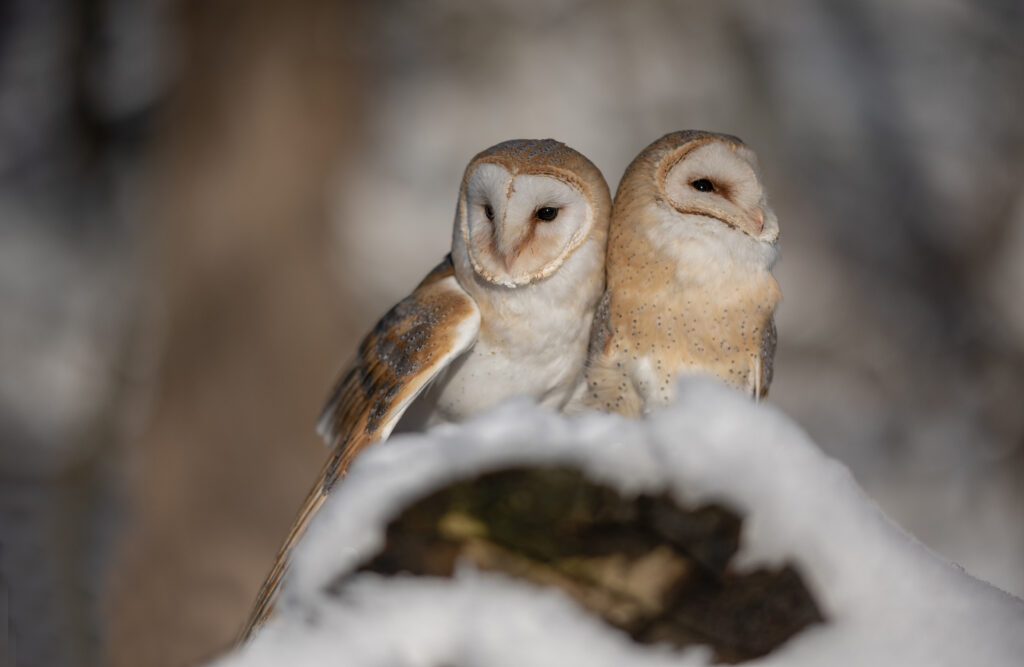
(489, 212)
(703, 185)
(547, 214)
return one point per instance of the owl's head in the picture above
(717, 176)
(525, 206)
(712, 176)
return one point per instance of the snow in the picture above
(887, 599)
(474, 620)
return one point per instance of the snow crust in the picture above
(887, 599)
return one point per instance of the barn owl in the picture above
(506, 313)
(689, 286)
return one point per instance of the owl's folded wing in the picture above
(765, 371)
(408, 347)
(413, 342)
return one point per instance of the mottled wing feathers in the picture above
(769, 340)
(407, 348)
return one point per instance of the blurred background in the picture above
(204, 204)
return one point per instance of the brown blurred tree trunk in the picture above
(252, 320)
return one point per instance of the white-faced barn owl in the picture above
(689, 288)
(507, 313)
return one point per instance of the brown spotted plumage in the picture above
(396, 359)
(507, 313)
(689, 286)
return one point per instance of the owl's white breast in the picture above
(533, 339)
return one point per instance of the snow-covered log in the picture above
(715, 530)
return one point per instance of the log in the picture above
(657, 570)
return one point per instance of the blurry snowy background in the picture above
(203, 204)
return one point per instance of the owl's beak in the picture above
(509, 244)
(509, 256)
(767, 224)
(757, 219)
(751, 222)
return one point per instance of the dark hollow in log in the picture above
(643, 564)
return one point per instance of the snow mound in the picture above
(886, 598)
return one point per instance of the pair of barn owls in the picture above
(551, 293)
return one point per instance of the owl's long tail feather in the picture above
(263, 608)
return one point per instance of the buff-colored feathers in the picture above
(689, 287)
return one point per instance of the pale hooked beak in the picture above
(509, 242)
(757, 220)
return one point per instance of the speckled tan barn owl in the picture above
(689, 286)
(507, 313)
